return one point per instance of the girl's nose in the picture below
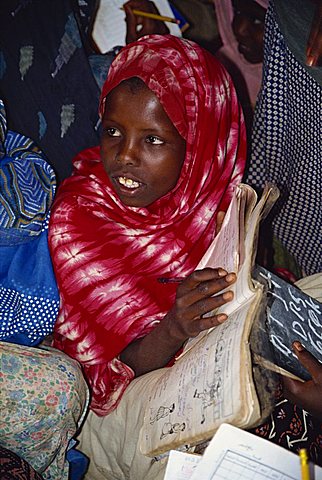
(128, 153)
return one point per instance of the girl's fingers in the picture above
(202, 307)
(206, 282)
(195, 297)
(131, 25)
(205, 323)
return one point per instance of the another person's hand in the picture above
(198, 294)
(314, 44)
(137, 26)
(307, 395)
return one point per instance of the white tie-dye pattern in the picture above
(72, 256)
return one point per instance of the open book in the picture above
(213, 380)
(234, 453)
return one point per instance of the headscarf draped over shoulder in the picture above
(108, 256)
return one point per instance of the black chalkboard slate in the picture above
(290, 315)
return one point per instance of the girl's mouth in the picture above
(128, 182)
(128, 187)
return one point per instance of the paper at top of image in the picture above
(109, 28)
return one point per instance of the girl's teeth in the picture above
(128, 182)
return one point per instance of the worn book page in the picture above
(109, 29)
(203, 389)
(211, 382)
(234, 248)
(228, 250)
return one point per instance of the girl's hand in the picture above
(308, 395)
(137, 26)
(195, 297)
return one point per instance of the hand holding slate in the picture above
(291, 315)
(308, 395)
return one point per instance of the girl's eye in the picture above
(154, 140)
(113, 132)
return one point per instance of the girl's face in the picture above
(141, 150)
(248, 28)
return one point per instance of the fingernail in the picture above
(230, 277)
(221, 272)
(228, 295)
(298, 346)
(221, 317)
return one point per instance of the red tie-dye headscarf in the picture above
(108, 256)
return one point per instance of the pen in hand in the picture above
(154, 16)
(170, 279)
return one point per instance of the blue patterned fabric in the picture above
(286, 140)
(29, 299)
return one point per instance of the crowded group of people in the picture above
(84, 326)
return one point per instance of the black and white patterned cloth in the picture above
(286, 145)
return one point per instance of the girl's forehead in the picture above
(250, 7)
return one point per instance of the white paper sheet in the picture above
(109, 28)
(234, 454)
(181, 465)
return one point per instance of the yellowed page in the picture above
(211, 382)
(200, 391)
(227, 249)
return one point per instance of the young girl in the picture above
(142, 207)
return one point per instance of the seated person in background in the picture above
(44, 52)
(144, 206)
(43, 56)
(241, 29)
(43, 393)
(136, 27)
